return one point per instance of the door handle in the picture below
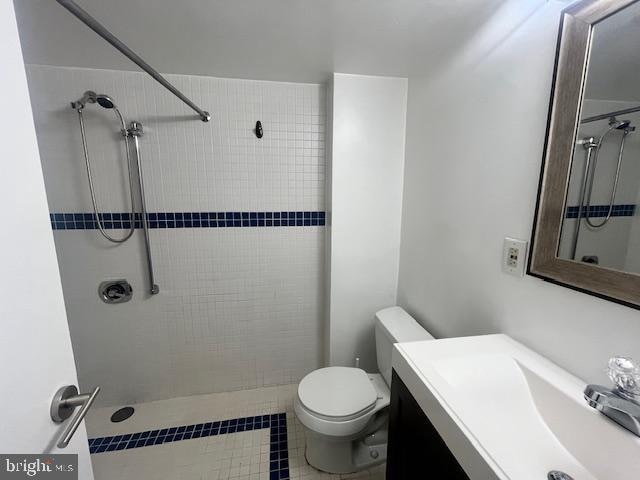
(63, 405)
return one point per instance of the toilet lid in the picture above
(337, 391)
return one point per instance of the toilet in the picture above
(344, 409)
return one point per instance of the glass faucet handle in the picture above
(625, 375)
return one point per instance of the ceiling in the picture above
(290, 40)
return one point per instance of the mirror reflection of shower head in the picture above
(614, 124)
(620, 124)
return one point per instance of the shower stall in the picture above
(236, 230)
(191, 256)
(191, 251)
(208, 266)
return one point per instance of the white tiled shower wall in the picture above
(238, 307)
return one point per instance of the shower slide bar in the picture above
(97, 27)
(606, 116)
(135, 132)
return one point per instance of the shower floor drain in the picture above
(122, 414)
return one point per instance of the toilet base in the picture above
(346, 454)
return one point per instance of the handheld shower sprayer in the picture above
(624, 125)
(105, 101)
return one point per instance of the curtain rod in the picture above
(605, 116)
(97, 27)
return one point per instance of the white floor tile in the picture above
(237, 456)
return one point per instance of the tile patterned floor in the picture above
(242, 455)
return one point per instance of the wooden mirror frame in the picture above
(572, 59)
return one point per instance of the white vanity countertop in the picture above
(506, 412)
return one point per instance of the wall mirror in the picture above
(587, 227)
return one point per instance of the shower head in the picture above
(105, 101)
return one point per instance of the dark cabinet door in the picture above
(415, 449)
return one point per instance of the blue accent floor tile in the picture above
(278, 457)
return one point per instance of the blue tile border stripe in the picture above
(278, 441)
(602, 211)
(119, 220)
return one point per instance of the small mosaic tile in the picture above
(596, 211)
(278, 440)
(122, 220)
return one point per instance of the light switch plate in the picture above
(514, 256)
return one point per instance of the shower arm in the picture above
(97, 27)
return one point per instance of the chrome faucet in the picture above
(622, 402)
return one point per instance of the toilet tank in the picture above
(394, 325)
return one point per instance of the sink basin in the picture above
(506, 412)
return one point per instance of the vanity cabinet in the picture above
(415, 449)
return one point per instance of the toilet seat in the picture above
(337, 393)
(371, 390)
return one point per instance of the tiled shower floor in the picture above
(250, 452)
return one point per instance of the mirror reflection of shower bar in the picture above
(589, 145)
(606, 116)
(97, 27)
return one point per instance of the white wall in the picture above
(475, 137)
(238, 307)
(35, 349)
(368, 128)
